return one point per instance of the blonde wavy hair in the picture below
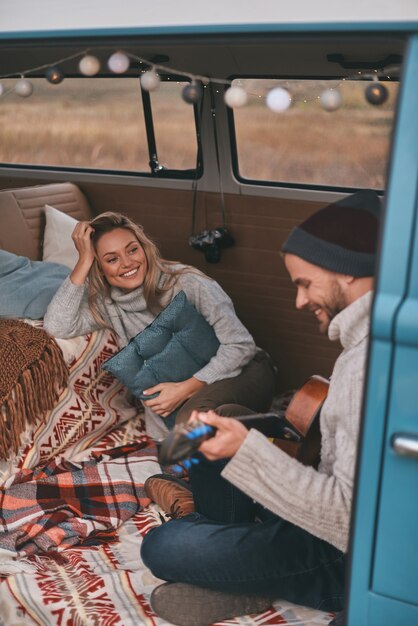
(99, 288)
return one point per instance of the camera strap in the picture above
(218, 161)
(199, 160)
(198, 117)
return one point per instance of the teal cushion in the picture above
(26, 286)
(177, 344)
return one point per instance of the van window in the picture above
(174, 126)
(95, 123)
(308, 145)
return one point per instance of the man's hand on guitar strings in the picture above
(229, 436)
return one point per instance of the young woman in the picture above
(121, 282)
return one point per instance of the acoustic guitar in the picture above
(295, 430)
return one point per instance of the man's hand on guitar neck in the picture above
(229, 436)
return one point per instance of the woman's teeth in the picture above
(130, 273)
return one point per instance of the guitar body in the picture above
(303, 414)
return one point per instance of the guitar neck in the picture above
(271, 425)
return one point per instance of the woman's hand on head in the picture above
(82, 240)
(229, 436)
(171, 395)
(84, 245)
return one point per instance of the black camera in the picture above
(211, 242)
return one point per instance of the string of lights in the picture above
(278, 98)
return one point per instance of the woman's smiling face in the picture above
(121, 259)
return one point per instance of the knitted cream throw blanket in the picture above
(32, 373)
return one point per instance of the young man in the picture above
(267, 526)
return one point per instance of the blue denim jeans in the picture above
(238, 546)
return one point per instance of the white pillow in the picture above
(58, 245)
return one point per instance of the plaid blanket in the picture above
(60, 505)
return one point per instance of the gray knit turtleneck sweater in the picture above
(317, 500)
(69, 315)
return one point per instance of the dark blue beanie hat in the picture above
(342, 237)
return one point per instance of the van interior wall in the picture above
(252, 272)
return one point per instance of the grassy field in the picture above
(99, 123)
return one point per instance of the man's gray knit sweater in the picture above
(317, 500)
(69, 315)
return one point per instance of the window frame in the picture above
(279, 184)
(166, 173)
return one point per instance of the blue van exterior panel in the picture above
(389, 612)
(396, 563)
(399, 26)
(369, 465)
(407, 324)
(384, 564)
(400, 203)
(407, 327)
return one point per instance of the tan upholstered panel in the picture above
(22, 216)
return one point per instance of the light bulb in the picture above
(235, 97)
(24, 88)
(331, 99)
(89, 65)
(118, 63)
(192, 93)
(278, 99)
(376, 93)
(54, 75)
(150, 81)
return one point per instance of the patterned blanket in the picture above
(73, 511)
(109, 586)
